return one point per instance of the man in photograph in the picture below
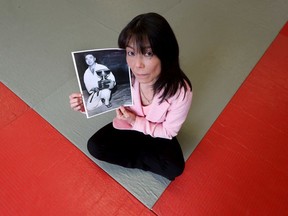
(99, 81)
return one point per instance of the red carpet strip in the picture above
(42, 173)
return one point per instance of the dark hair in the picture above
(154, 28)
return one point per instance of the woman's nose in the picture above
(139, 61)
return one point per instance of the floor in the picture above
(220, 44)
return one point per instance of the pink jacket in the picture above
(163, 120)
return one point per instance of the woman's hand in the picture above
(124, 114)
(76, 102)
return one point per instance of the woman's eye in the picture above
(130, 53)
(148, 54)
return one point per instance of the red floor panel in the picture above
(42, 173)
(11, 106)
(241, 165)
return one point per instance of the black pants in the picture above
(133, 149)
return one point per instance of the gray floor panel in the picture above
(220, 42)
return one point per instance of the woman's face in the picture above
(146, 66)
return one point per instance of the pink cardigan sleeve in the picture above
(173, 119)
(164, 120)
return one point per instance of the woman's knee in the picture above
(94, 149)
(180, 169)
(98, 143)
(175, 170)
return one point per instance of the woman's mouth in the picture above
(140, 75)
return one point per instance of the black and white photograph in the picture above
(104, 79)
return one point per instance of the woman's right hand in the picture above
(76, 102)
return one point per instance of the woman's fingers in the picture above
(75, 95)
(76, 102)
(120, 113)
(123, 111)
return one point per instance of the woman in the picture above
(143, 136)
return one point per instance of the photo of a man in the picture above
(104, 79)
(99, 82)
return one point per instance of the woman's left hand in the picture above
(125, 114)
